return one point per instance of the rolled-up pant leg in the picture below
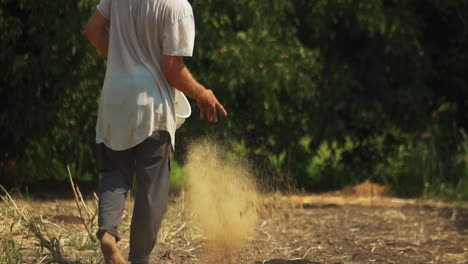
(115, 172)
(152, 177)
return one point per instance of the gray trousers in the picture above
(151, 162)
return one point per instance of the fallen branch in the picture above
(53, 245)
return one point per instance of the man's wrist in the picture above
(201, 91)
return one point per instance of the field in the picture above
(344, 227)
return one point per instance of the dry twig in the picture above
(76, 196)
(10, 200)
(173, 234)
(88, 211)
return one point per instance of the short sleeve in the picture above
(104, 8)
(179, 37)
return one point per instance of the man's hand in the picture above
(178, 75)
(208, 105)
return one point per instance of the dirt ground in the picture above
(347, 227)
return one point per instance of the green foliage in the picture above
(177, 179)
(50, 86)
(9, 253)
(326, 168)
(433, 167)
(326, 93)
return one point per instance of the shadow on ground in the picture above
(285, 261)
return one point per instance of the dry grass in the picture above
(321, 229)
(62, 231)
(44, 232)
(33, 231)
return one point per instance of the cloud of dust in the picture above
(222, 195)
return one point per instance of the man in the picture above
(135, 130)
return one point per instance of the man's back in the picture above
(136, 98)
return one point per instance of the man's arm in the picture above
(179, 76)
(96, 32)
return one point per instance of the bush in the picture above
(430, 168)
(324, 93)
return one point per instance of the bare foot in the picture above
(110, 251)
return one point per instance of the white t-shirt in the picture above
(136, 99)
